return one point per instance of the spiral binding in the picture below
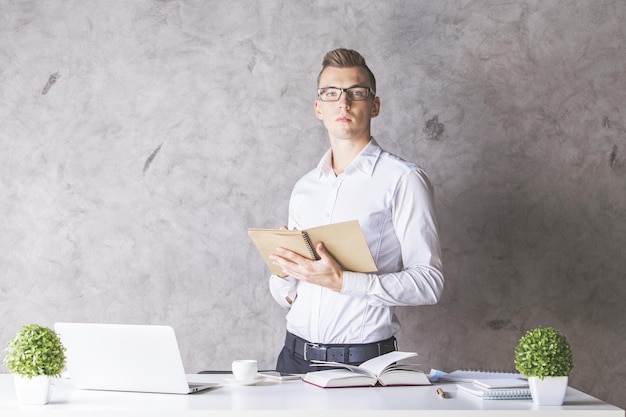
(497, 394)
(510, 394)
(488, 371)
(309, 246)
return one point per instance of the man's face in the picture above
(346, 119)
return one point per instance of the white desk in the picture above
(293, 399)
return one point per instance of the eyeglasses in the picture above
(357, 93)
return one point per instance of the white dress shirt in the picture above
(393, 201)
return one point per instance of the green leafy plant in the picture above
(543, 352)
(35, 350)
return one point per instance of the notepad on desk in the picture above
(488, 385)
(509, 393)
(501, 383)
(344, 240)
(381, 370)
(463, 375)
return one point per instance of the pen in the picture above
(441, 393)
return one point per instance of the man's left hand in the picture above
(326, 272)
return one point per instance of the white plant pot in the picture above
(549, 391)
(32, 391)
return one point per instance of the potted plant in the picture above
(544, 356)
(35, 355)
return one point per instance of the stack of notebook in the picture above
(488, 385)
(497, 389)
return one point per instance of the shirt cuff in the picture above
(355, 284)
(280, 288)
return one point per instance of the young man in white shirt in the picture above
(339, 315)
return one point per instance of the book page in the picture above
(375, 366)
(346, 366)
(378, 364)
(403, 377)
(340, 377)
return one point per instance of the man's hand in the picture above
(325, 272)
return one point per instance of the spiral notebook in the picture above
(488, 385)
(499, 391)
(345, 241)
(471, 375)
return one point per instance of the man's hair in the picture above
(346, 58)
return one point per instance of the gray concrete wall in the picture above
(140, 139)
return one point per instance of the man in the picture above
(341, 315)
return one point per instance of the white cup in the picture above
(245, 369)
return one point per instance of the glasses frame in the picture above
(370, 92)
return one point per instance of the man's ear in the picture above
(376, 107)
(318, 110)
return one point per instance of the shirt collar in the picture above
(364, 161)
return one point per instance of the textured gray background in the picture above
(139, 140)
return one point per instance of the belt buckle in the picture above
(313, 346)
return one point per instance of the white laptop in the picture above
(125, 357)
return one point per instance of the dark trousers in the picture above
(290, 363)
(293, 361)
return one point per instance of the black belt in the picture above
(351, 353)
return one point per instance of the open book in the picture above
(381, 370)
(345, 241)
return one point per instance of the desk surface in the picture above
(291, 398)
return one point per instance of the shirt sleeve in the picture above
(281, 288)
(420, 282)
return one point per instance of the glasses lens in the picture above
(357, 93)
(329, 94)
